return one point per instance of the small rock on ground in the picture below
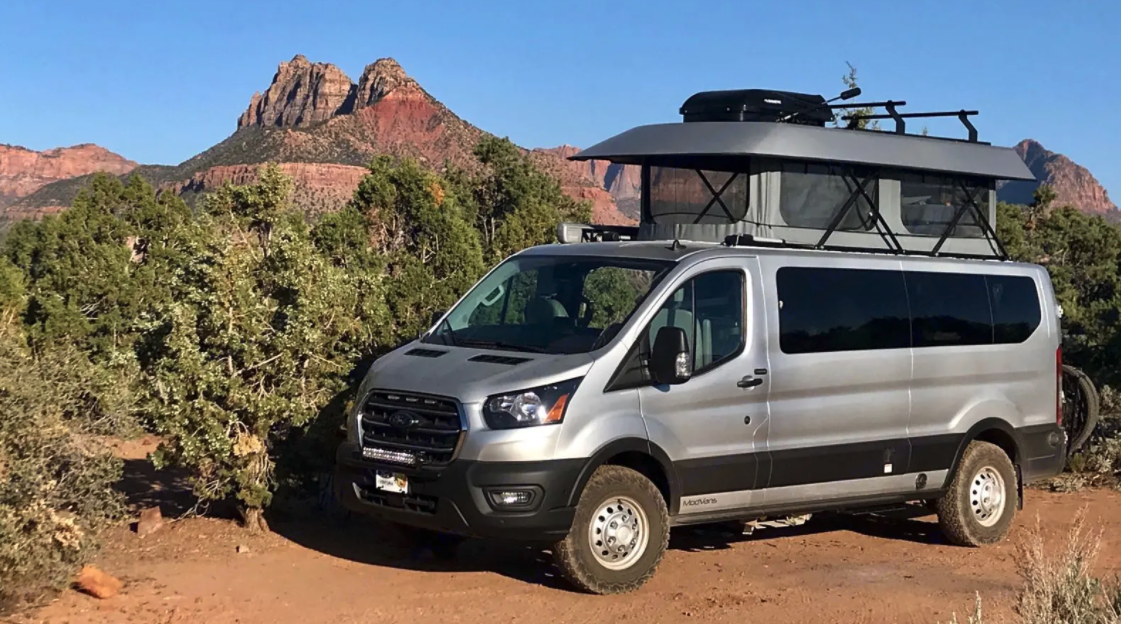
(98, 584)
(150, 521)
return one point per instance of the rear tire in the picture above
(619, 534)
(981, 502)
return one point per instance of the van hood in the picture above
(468, 374)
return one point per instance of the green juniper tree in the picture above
(259, 341)
(514, 204)
(418, 229)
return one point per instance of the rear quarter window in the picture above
(1015, 306)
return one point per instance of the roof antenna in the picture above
(676, 245)
(845, 95)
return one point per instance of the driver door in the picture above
(714, 426)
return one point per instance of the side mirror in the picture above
(436, 316)
(670, 361)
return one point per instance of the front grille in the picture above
(416, 503)
(425, 427)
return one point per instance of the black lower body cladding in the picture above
(1042, 451)
(454, 499)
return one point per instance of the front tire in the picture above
(980, 505)
(619, 534)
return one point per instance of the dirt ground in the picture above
(314, 569)
(306, 571)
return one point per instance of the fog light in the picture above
(511, 498)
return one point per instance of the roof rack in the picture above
(747, 240)
(900, 119)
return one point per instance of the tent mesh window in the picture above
(689, 196)
(811, 196)
(928, 204)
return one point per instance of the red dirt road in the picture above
(311, 572)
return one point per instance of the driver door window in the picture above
(710, 309)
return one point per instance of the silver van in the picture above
(596, 392)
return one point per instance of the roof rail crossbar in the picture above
(747, 240)
(900, 123)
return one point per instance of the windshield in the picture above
(558, 304)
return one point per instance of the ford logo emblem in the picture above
(403, 419)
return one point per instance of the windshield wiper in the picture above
(497, 344)
(514, 347)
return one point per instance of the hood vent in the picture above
(428, 353)
(499, 359)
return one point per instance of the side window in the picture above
(709, 308)
(1015, 304)
(826, 310)
(949, 309)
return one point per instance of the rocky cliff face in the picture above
(384, 77)
(317, 188)
(24, 171)
(327, 118)
(302, 93)
(622, 183)
(1073, 183)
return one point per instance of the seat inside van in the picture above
(678, 312)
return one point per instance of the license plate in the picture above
(394, 482)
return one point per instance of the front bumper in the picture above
(453, 499)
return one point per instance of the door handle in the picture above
(749, 382)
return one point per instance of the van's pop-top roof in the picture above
(763, 164)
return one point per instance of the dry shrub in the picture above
(975, 617)
(1061, 589)
(55, 481)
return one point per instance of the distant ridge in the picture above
(1073, 183)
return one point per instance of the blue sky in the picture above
(160, 81)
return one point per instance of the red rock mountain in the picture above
(323, 128)
(1073, 183)
(24, 171)
(388, 112)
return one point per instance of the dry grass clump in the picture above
(1061, 588)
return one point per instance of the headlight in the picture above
(544, 405)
